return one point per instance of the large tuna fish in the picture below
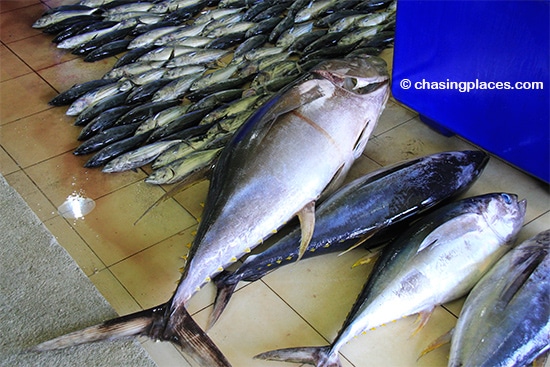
(438, 259)
(297, 146)
(505, 320)
(363, 208)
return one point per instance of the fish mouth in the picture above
(353, 84)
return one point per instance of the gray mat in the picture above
(43, 294)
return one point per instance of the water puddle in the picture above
(76, 206)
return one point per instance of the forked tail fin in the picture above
(224, 291)
(121, 327)
(177, 327)
(317, 356)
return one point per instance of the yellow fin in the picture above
(442, 340)
(373, 254)
(359, 243)
(422, 320)
(307, 225)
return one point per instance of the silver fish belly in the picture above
(505, 320)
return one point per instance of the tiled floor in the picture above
(136, 266)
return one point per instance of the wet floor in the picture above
(136, 266)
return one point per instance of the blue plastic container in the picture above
(499, 43)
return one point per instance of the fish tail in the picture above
(223, 295)
(317, 356)
(176, 326)
(182, 330)
(120, 327)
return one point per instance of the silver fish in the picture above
(175, 89)
(97, 95)
(181, 168)
(214, 77)
(505, 320)
(214, 14)
(190, 41)
(183, 31)
(179, 151)
(148, 76)
(222, 22)
(139, 157)
(162, 118)
(197, 58)
(438, 259)
(58, 16)
(358, 35)
(230, 29)
(131, 7)
(133, 69)
(313, 9)
(296, 146)
(79, 39)
(166, 53)
(288, 37)
(150, 37)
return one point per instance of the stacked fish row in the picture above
(195, 70)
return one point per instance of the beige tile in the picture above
(164, 354)
(64, 175)
(7, 164)
(39, 52)
(534, 227)
(387, 55)
(39, 137)
(11, 66)
(393, 115)
(322, 289)
(360, 167)
(75, 246)
(110, 231)
(66, 74)
(151, 275)
(111, 289)
(16, 24)
(257, 321)
(56, 3)
(23, 96)
(9, 5)
(193, 198)
(32, 195)
(409, 140)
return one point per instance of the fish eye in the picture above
(507, 199)
(350, 83)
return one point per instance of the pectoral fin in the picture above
(361, 241)
(442, 340)
(422, 320)
(307, 225)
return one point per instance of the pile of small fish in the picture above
(195, 70)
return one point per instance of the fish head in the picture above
(505, 214)
(358, 75)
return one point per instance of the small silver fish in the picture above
(197, 58)
(139, 157)
(57, 17)
(179, 169)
